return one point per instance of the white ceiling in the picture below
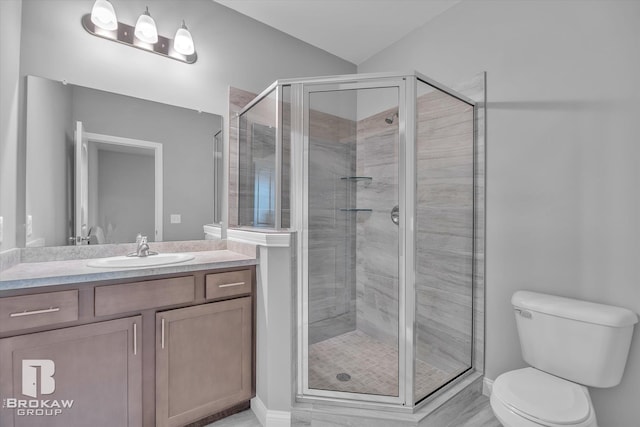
(354, 30)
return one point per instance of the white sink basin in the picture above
(151, 260)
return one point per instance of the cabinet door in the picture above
(88, 375)
(203, 360)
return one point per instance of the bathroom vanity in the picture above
(155, 347)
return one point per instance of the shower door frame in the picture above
(300, 92)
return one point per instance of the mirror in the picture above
(132, 165)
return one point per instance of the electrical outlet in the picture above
(29, 225)
(176, 218)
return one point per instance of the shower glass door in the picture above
(352, 226)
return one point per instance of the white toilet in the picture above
(570, 344)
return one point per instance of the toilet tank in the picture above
(580, 341)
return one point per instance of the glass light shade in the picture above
(146, 28)
(104, 16)
(183, 42)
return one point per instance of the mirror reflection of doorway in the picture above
(118, 188)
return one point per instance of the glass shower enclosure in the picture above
(375, 174)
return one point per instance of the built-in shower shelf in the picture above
(356, 178)
(355, 210)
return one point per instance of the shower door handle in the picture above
(395, 215)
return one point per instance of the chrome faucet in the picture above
(142, 247)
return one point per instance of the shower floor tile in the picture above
(371, 364)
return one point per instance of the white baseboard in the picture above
(487, 386)
(270, 418)
(259, 410)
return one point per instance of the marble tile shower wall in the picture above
(331, 230)
(238, 98)
(444, 226)
(362, 249)
(286, 162)
(257, 176)
(444, 230)
(257, 166)
(377, 236)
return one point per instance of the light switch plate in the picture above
(176, 218)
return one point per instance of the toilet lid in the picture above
(542, 397)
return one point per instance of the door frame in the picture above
(300, 93)
(82, 176)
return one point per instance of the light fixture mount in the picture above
(125, 34)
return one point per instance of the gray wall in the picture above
(126, 202)
(232, 50)
(563, 204)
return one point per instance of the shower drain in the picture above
(343, 377)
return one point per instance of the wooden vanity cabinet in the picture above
(104, 339)
(203, 360)
(96, 368)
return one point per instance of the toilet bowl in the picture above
(569, 344)
(532, 398)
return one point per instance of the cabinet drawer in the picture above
(114, 299)
(220, 285)
(31, 311)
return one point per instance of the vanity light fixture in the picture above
(103, 15)
(146, 28)
(102, 22)
(183, 42)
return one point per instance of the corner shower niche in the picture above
(382, 178)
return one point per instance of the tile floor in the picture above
(241, 419)
(371, 365)
(477, 414)
(373, 369)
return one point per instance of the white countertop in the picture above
(36, 274)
